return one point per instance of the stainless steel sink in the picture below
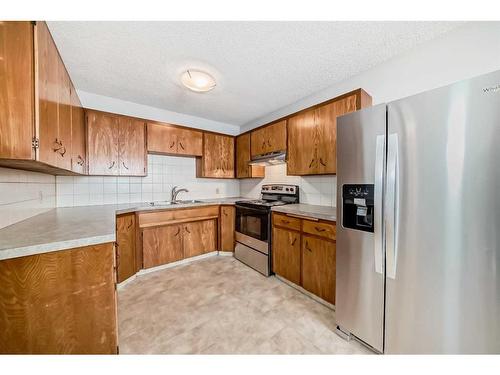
(189, 201)
(169, 203)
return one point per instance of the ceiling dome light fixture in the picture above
(197, 81)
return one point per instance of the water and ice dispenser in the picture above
(357, 207)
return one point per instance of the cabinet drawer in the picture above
(286, 221)
(320, 229)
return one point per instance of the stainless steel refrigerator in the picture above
(418, 232)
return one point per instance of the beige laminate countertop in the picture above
(309, 210)
(70, 227)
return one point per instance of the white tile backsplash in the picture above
(164, 172)
(320, 190)
(24, 194)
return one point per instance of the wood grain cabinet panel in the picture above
(199, 237)
(125, 249)
(162, 245)
(286, 254)
(131, 147)
(318, 267)
(102, 144)
(243, 169)
(269, 139)
(16, 90)
(78, 135)
(321, 229)
(286, 221)
(227, 226)
(172, 140)
(218, 157)
(312, 135)
(61, 302)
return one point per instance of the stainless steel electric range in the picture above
(253, 225)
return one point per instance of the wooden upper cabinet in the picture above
(102, 144)
(269, 139)
(131, 146)
(312, 135)
(16, 90)
(78, 136)
(116, 144)
(243, 169)
(168, 139)
(54, 102)
(218, 157)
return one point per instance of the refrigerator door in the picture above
(443, 220)
(359, 306)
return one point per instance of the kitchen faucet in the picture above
(174, 192)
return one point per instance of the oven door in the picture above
(253, 222)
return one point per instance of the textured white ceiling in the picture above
(259, 66)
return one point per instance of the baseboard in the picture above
(307, 293)
(124, 283)
(226, 253)
(178, 263)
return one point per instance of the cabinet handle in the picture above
(268, 143)
(319, 229)
(178, 231)
(112, 165)
(294, 240)
(307, 247)
(311, 163)
(285, 221)
(172, 145)
(62, 151)
(130, 225)
(81, 161)
(180, 144)
(322, 162)
(187, 230)
(264, 144)
(124, 165)
(57, 145)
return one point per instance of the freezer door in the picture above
(443, 220)
(360, 280)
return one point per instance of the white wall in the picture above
(107, 104)
(465, 52)
(163, 173)
(24, 194)
(319, 190)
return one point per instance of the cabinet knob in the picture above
(172, 145)
(178, 231)
(187, 230)
(307, 247)
(311, 163)
(294, 240)
(319, 229)
(322, 162)
(111, 165)
(81, 161)
(182, 146)
(124, 165)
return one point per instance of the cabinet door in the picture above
(227, 224)
(326, 128)
(318, 267)
(218, 157)
(275, 137)
(132, 147)
(102, 143)
(286, 254)
(243, 170)
(162, 139)
(16, 90)
(64, 117)
(302, 149)
(125, 240)
(78, 144)
(189, 142)
(199, 237)
(48, 96)
(258, 141)
(162, 245)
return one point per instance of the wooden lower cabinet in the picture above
(199, 237)
(162, 245)
(304, 252)
(62, 302)
(125, 247)
(286, 254)
(318, 267)
(227, 226)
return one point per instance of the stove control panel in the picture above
(279, 189)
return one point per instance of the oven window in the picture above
(252, 222)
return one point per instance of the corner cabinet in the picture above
(40, 114)
(243, 169)
(312, 134)
(116, 145)
(218, 157)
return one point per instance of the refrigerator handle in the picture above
(392, 205)
(378, 200)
